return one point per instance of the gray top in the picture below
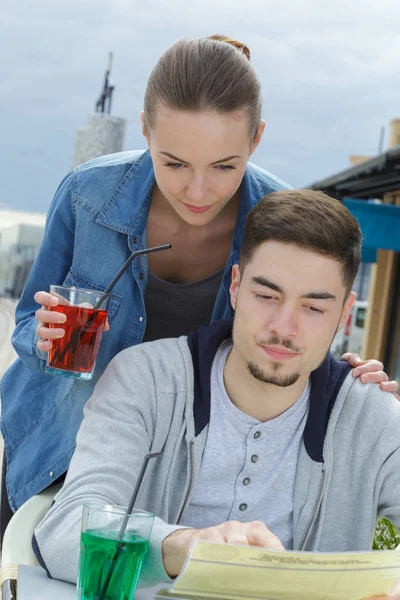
(256, 463)
(145, 403)
(175, 309)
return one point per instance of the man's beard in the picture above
(273, 378)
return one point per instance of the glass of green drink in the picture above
(109, 566)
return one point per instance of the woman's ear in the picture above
(143, 122)
(258, 136)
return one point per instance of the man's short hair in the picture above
(308, 219)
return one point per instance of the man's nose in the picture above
(284, 323)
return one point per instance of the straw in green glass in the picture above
(120, 545)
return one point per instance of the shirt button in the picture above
(246, 481)
(243, 507)
(257, 435)
(51, 474)
(254, 458)
(140, 319)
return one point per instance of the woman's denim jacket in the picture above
(97, 219)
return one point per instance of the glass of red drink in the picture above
(74, 355)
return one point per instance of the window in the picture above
(360, 318)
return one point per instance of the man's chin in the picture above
(279, 379)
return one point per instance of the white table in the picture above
(33, 584)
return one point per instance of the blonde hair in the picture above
(235, 43)
(211, 73)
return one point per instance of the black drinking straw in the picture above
(120, 545)
(78, 332)
(126, 265)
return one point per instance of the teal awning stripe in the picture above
(380, 224)
(369, 255)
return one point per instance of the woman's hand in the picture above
(46, 316)
(371, 371)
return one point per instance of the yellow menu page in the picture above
(247, 573)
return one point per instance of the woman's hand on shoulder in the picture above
(371, 371)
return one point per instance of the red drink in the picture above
(77, 350)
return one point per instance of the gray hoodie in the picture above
(156, 397)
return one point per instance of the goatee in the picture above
(275, 378)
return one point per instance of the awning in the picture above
(370, 179)
(380, 224)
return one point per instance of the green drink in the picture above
(109, 566)
(98, 548)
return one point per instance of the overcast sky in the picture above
(329, 72)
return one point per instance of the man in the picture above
(266, 439)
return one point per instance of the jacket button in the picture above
(135, 240)
(246, 481)
(257, 435)
(243, 507)
(254, 458)
(141, 276)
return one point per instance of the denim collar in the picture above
(127, 209)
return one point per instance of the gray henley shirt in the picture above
(248, 467)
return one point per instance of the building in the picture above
(371, 190)
(104, 134)
(20, 237)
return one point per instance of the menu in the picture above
(234, 572)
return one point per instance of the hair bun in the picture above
(238, 45)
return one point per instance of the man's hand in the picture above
(371, 371)
(176, 546)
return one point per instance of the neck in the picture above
(262, 401)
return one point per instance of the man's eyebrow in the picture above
(260, 280)
(266, 283)
(320, 296)
(217, 162)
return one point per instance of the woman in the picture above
(192, 188)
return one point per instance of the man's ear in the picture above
(348, 305)
(234, 287)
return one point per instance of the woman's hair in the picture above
(212, 73)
